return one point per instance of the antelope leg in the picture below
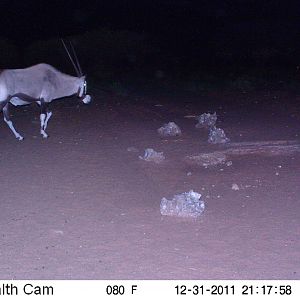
(44, 118)
(49, 114)
(9, 122)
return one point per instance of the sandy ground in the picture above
(79, 205)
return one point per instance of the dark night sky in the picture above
(27, 20)
(179, 24)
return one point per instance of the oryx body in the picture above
(40, 83)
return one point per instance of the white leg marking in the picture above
(43, 133)
(49, 114)
(12, 128)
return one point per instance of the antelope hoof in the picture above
(20, 138)
(44, 134)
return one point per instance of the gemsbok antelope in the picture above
(41, 84)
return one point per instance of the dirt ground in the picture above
(79, 205)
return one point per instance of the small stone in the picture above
(229, 163)
(235, 187)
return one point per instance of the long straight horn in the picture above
(71, 59)
(76, 58)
